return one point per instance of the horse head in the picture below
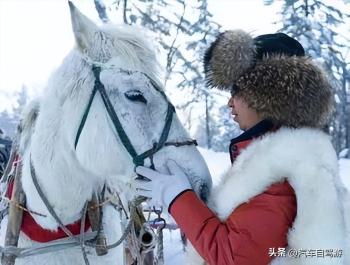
(102, 113)
(127, 67)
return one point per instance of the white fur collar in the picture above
(306, 158)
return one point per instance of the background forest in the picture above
(183, 30)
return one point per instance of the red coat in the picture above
(249, 232)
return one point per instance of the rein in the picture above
(82, 240)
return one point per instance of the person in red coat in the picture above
(278, 203)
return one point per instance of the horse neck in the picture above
(66, 186)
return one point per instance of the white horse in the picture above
(73, 144)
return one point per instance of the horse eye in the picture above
(135, 95)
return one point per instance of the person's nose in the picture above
(230, 102)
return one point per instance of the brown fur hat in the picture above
(273, 75)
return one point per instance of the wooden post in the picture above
(94, 217)
(15, 217)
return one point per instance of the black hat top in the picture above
(277, 43)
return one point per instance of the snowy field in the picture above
(218, 164)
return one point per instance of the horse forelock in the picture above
(132, 43)
(126, 47)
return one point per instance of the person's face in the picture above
(245, 116)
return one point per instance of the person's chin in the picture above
(236, 120)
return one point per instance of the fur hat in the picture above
(273, 75)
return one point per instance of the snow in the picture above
(344, 153)
(173, 248)
(217, 162)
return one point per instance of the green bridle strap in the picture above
(98, 86)
(157, 146)
(137, 159)
(109, 107)
(86, 113)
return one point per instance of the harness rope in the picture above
(19, 206)
(82, 242)
(43, 248)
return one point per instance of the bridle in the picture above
(138, 159)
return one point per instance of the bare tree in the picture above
(316, 25)
(101, 10)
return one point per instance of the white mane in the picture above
(27, 123)
(136, 49)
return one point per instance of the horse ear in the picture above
(84, 29)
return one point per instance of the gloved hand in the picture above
(162, 189)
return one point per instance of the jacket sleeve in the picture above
(245, 237)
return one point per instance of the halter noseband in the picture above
(138, 160)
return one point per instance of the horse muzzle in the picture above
(202, 189)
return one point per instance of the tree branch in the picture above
(101, 10)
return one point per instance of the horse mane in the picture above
(27, 123)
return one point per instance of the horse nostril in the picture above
(204, 192)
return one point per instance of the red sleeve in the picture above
(248, 233)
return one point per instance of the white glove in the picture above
(162, 189)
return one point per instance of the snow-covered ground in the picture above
(218, 163)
